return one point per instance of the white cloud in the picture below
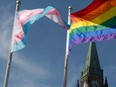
(5, 28)
(31, 67)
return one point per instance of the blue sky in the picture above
(41, 63)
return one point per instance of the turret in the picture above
(77, 85)
(106, 82)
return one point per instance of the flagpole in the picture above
(18, 3)
(67, 50)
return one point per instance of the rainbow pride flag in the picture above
(96, 22)
(25, 18)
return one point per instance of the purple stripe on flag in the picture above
(92, 39)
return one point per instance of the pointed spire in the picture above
(77, 83)
(92, 64)
(106, 82)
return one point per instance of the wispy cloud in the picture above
(31, 67)
(5, 28)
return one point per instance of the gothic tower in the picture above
(92, 74)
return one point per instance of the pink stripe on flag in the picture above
(54, 15)
(18, 37)
(24, 15)
(53, 12)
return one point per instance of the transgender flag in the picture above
(25, 18)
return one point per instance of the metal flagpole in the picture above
(18, 3)
(67, 50)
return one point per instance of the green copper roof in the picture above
(92, 64)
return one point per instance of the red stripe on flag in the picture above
(95, 4)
